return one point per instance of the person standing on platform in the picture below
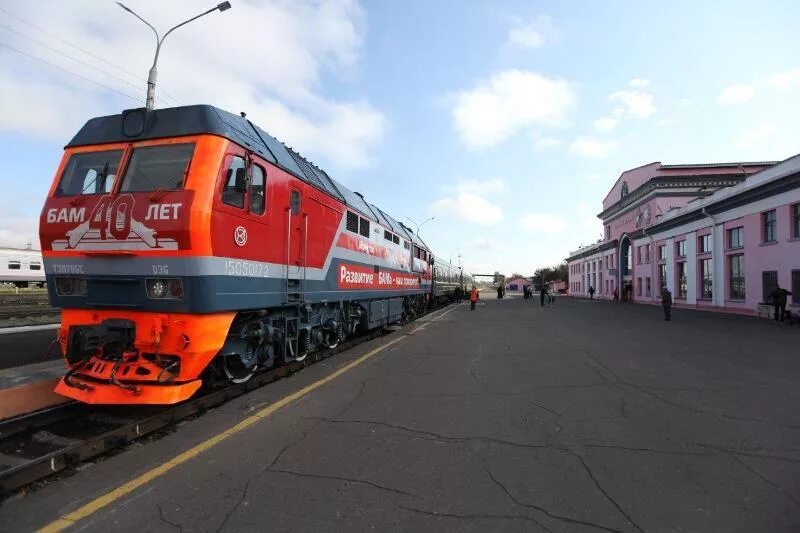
(616, 294)
(542, 294)
(591, 292)
(666, 303)
(779, 301)
(473, 298)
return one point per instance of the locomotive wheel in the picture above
(235, 371)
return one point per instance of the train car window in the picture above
(257, 187)
(89, 173)
(153, 168)
(363, 227)
(294, 202)
(35, 266)
(231, 194)
(387, 235)
(14, 265)
(395, 239)
(352, 222)
(406, 245)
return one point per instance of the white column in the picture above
(691, 268)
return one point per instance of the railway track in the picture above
(27, 310)
(41, 444)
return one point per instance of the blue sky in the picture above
(508, 121)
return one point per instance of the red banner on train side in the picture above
(361, 277)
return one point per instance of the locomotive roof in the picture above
(200, 119)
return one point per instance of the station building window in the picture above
(768, 222)
(647, 286)
(736, 276)
(735, 238)
(662, 252)
(796, 222)
(706, 280)
(680, 248)
(646, 253)
(638, 286)
(681, 273)
(704, 244)
(662, 275)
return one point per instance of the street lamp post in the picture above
(420, 224)
(151, 78)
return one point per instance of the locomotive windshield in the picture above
(89, 173)
(154, 168)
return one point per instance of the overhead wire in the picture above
(90, 80)
(79, 48)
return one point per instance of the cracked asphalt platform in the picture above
(584, 416)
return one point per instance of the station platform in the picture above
(30, 365)
(513, 417)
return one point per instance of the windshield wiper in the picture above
(77, 200)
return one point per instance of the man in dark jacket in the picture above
(542, 293)
(779, 301)
(666, 303)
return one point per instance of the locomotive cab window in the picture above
(294, 202)
(153, 168)
(89, 173)
(257, 190)
(235, 183)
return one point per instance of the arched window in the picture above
(624, 190)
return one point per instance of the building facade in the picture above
(718, 236)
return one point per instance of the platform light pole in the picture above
(151, 78)
(420, 224)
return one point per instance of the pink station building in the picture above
(719, 236)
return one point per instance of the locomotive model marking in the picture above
(240, 235)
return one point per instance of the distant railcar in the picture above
(21, 267)
(187, 245)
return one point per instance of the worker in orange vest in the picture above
(473, 298)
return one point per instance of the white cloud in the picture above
(526, 37)
(664, 122)
(508, 102)
(639, 82)
(280, 90)
(588, 147)
(638, 104)
(542, 223)
(785, 80)
(543, 143)
(756, 135)
(605, 123)
(485, 186)
(470, 207)
(736, 94)
(532, 34)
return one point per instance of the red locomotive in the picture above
(187, 244)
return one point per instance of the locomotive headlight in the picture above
(70, 286)
(165, 288)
